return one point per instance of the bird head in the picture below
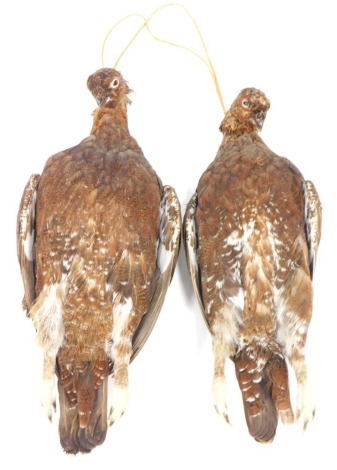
(247, 113)
(108, 88)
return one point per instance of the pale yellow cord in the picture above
(145, 24)
(129, 43)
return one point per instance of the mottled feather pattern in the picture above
(313, 221)
(98, 237)
(191, 250)
(97, 257)
(26, 238)
(250, 232)
(168, 245)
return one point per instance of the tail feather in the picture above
(276, 369)
(95, 432)
(263, 380)
(83, 407)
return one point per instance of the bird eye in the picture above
(245, 104)
(114, 83)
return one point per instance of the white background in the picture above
(48, 49)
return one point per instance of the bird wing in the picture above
(25, 237)
(191, 247)
(313, 221)
(167, 255)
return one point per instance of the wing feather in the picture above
(25, 237)
(313, 221)
(167, 255)
(191, 248)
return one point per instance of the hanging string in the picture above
(137, 15)
(145, 24)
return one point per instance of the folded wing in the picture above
(313, 221)
(167, 254)
(25, 237)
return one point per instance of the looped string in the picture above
(145, 24)
(137, 15)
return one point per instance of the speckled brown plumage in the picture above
(251, 232)
(98, 238)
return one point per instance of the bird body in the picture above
(251, 244)
(92, 231)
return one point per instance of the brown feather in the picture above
(25, 235)
(252, 231)
(107, 240)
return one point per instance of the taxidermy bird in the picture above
(251, 232)
(98, 238)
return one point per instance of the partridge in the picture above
(98, 238)
(251, 233)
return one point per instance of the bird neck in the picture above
(232, 128)
(110, 124)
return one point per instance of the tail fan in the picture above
(264, 386)
(83, 395)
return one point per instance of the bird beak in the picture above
(259, 120)
(101, 102)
